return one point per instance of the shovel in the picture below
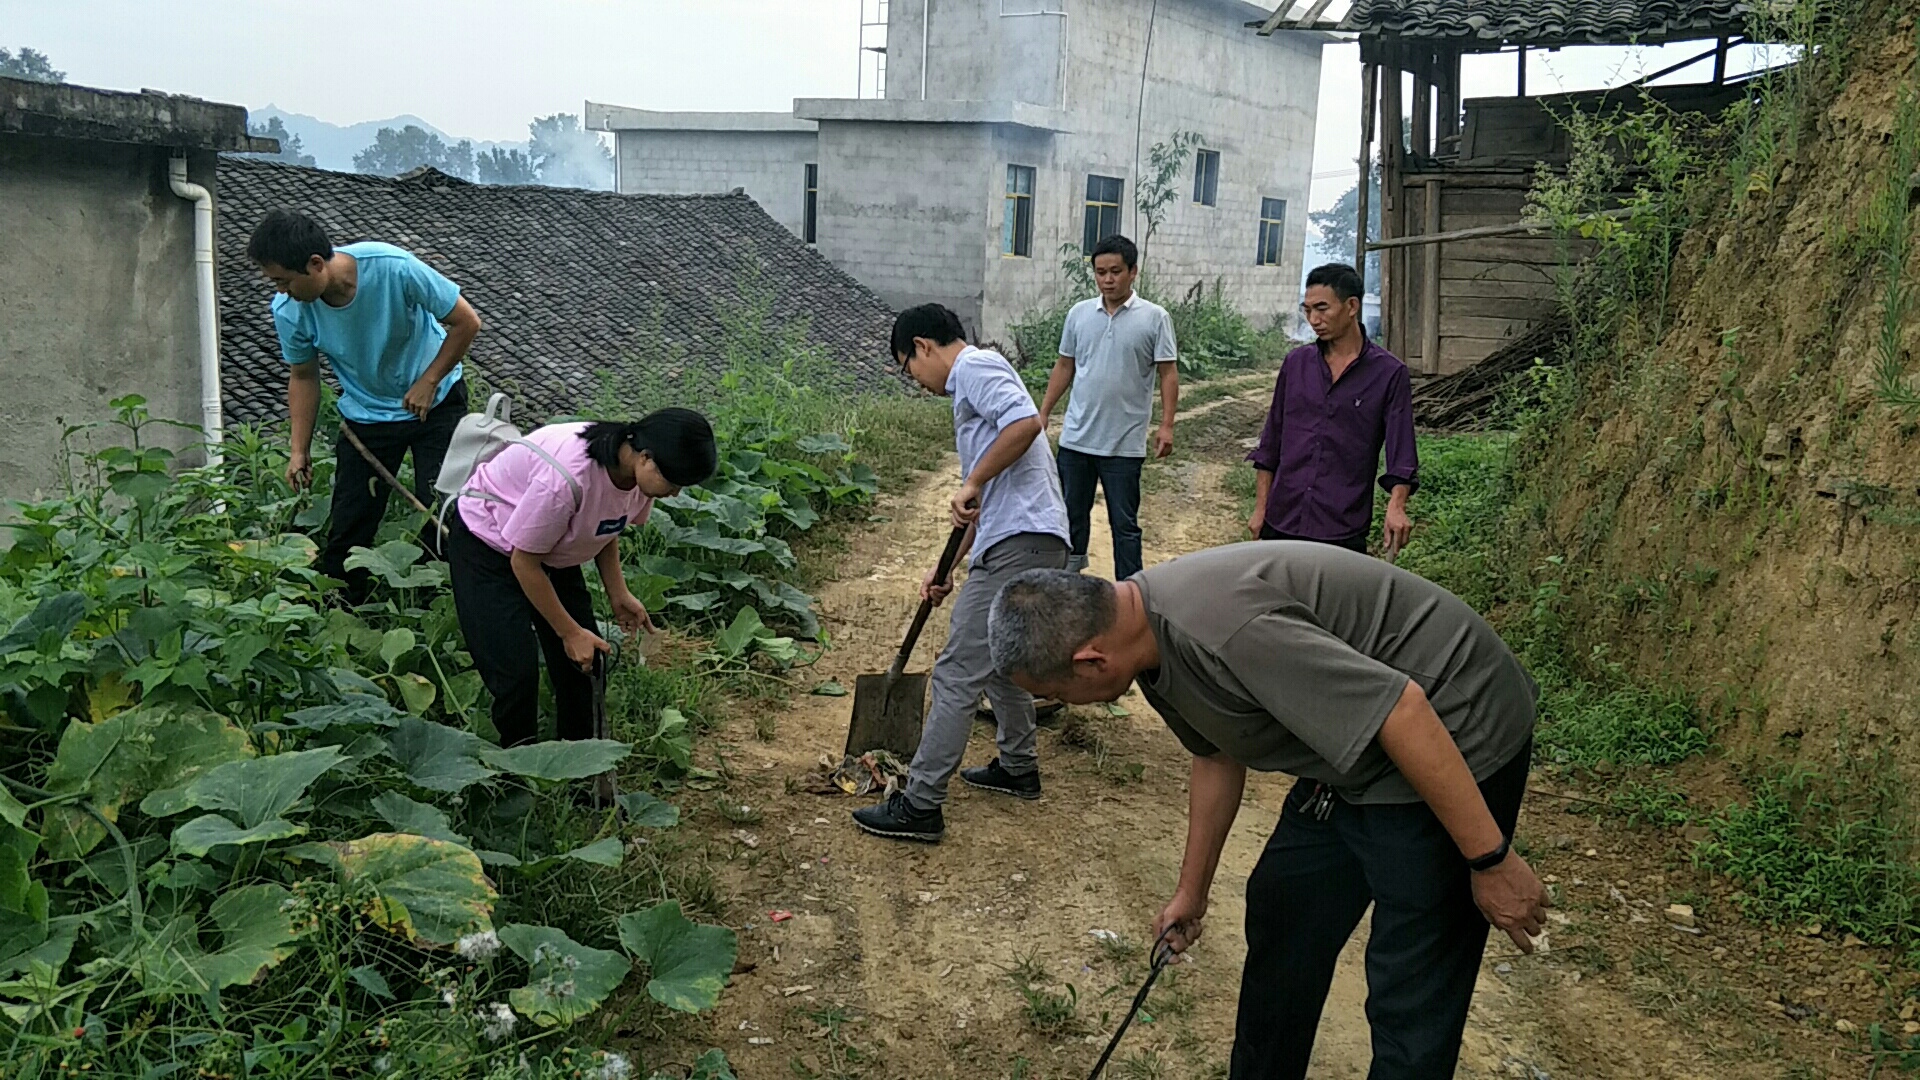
(605, 792)
(889, 709)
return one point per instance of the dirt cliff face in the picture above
(1738, 504)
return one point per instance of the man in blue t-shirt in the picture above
(394, 331)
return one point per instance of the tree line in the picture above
(560, 153)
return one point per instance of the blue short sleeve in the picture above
(428, 288)
(296, 337)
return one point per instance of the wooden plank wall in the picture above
(1491, 290)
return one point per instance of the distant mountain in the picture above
(333, 146)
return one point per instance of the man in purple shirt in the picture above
(1336, 403)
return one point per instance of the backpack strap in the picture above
(573, 484)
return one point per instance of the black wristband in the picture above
(1492, 858)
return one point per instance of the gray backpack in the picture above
(478, 438)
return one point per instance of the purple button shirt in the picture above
(1323, 438)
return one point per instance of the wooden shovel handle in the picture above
(920, 617)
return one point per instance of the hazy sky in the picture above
(481, 69)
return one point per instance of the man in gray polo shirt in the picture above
(1009, 502)
(1409, 723)
(1113, 348)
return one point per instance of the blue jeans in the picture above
(1119, 477)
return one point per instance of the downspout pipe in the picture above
(203, 287)
(926, 11)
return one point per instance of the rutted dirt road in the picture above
(898, 960)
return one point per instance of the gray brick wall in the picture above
(770, 165)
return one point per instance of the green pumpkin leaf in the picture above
(417, 691)
(464, 690)
(395, 644)
(408, 816)
(284, 552)
(352, 710)
(432, 890)
(260, 789)
(126, 757)
(734, 641)
(568, 980)
(393, 562)
(256, 932)
(698, 601)
(438, 757)
(564, 759)
(648, 811)
(688, 962)
(605, 852)
(208, 831)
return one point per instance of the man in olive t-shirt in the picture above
(1409, 723)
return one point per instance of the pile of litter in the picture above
(874, 771)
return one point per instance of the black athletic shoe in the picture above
(898, 819)
(991, 777)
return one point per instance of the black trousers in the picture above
(1351, 543)
(507, 637)
(1307, 894)
(360, 496)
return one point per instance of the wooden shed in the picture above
(1462, 272)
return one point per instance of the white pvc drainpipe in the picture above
(203, 288)
(926, 9)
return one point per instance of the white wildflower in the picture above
(496, 1021)
(612, 1067)
(477, 948)
(382, 1063)
(451, 997)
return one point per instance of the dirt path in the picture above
(898, 961)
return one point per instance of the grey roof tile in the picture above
(1548, 21)
(570, 283)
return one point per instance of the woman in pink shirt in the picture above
(529, 518)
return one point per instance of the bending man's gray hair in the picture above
(1042, 617)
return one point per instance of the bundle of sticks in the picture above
(1469, 400)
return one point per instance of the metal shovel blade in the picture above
(888, 711)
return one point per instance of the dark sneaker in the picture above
(991, 777)
(898, 819)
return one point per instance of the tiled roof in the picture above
(1548, 21)
(569, 283)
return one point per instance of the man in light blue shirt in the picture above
(394, 330)
(1113, 348)
(1010, 504)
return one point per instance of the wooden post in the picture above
(1422, 117)
(1369, 91)
(1430, 286)
(1720, 63)
(1392, 205)
(1523, 72)
(1447, 100)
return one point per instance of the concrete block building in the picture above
(1005, 131)
(105, 287)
